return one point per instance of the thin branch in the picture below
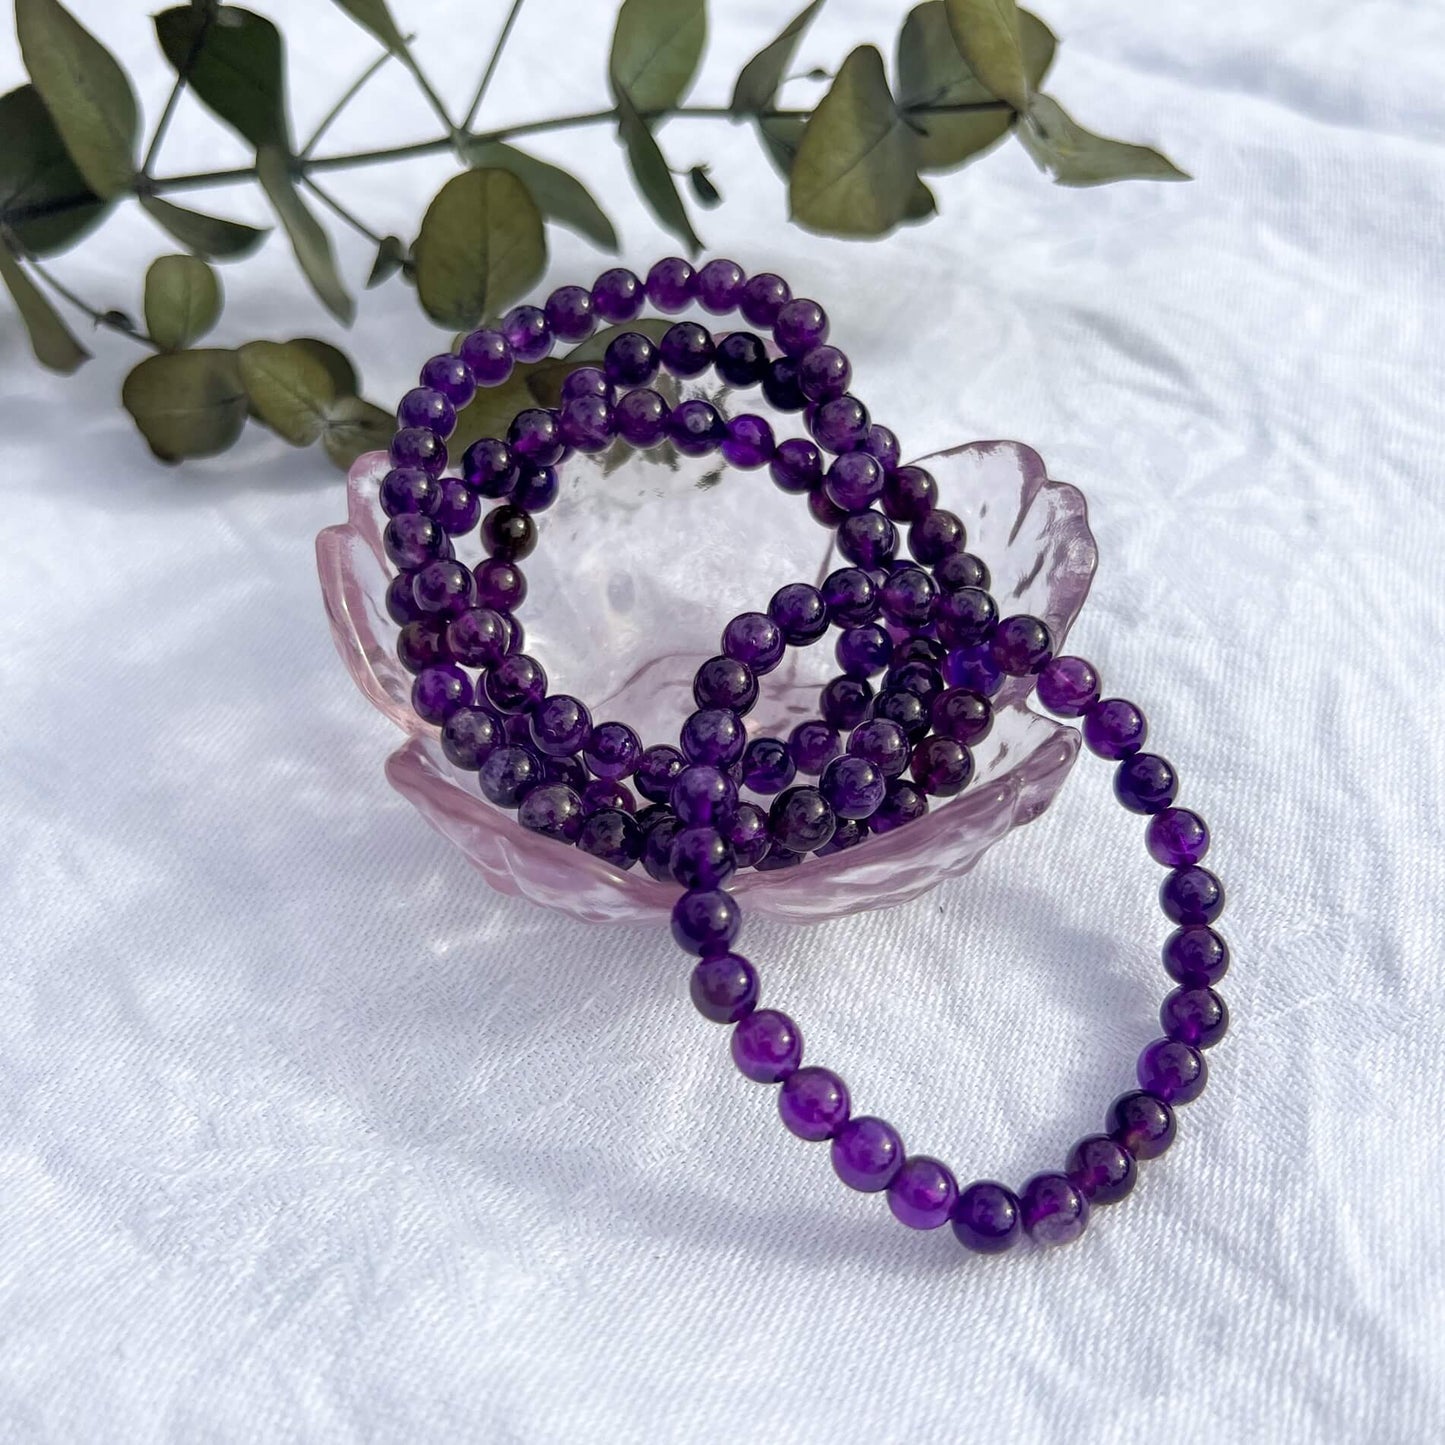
(99, 318)
(337, 209)
(476, 104)
(341, 104)
(182, 76)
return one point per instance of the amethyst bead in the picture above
(801, 820)
(412, 540)
(586, 424)
(1068, 686)
(536, 488)
(813, 745)
(534, 437)
(725, 682)
(960, 569)
(867, 1154)
(747, 834)
(601, 796)
(701, 858)
(560, 726)
(961, 714)
(851, 596)
(763, 296)
(705, 921)
(909, 495)
(516, 684)
(553, 810)
(882, 443)
(852, 786)
(740, 359)
(909, 595)
(458, 508)
(488, 356)
(724, 987)
(585, 381)
(941, 767)
(845, 702)
(657, 770)
(883, 743)
(500, 585)
(1177, 838)
(907, 709)
(766, 1046)
(1022, 645)
(800, 612)
(863, 651)
(489, 468)
(420, 645)
(849, 833)
(470, 736)
(617, 295)
(1142, 1122)
(780, 385)
(444, 587)
(1145, 783)
(986, 1218)
(612, 751)
(800, 326)
(748, 443)
(437, 692)
(671, 284)
(840, 425)
(720, 286)
(1101, 1169)
(902, 804)
(424, 406)
(824, 373)
(973, 668)
(1114, 728)
(1195, 1016)
(630, 359)
(569, 313)
(714, 735)
(868, 539)
(1191, 895)
(528, 332)
(401, 600)
(640, 417)
(768, 766)
(509, 774)
(1052, 1210)
(813, 1103)
(1195, 956)
(477, 637)
(420, 447)
(408, 489)
(938, 535)
(686, 349)
(611, 835)
(1173, 1071)
(923, 1193)
(797, 465)
(509, 533)
(703, 795)
(755, 639)
(696, 428)
(854, 481)
(451, 376)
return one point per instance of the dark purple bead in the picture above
(868, 539)
(852, 786)
(714, 735)
(413, 539)
(1101, 1169)
(489, 468)
(696, 428)
(1142, 1122)
(845, 702)
(671, 284)
(725, 682)
(705, 921)
(961, 569)
(922, 679)
(1114, 728)
(883, 743)
(1145, 783)
(686, 349)
(986, 1218)
(724, 987)
(422, 644)
(488, 356)
(867, 1154)
(509, 533)
(801, 613)
(630, 359)
(527, 332)
(923, 1193)
(863, 651)
(612, 835)
(909, 596)
(747, 834)
(800, 326)
(883, 444)
(1176, 838)
(500, 585)
(764, 295)
(778, 858)
(973, 668)
(586, 381)
(1195, 1016)
(408, 489)
(1052, 1210)
(801, 820)
(780, 385)
(534, 436)
(941, 767)
(854, 482)
(840, 425)
(601, 796)
(907, 709)
(459, 508)
(740, 359)
(560, 725)
(1173, 1071)
(813, 745)
(902, 804)
(766, 1046)
(849, 833)
(936, 536)
(1022, 645)
(570, 313)
(617, 295)
(703, 795)
(909, 494)
(657, 847)
(613, 750)
(423, 406)
(516, 684)
(1195, 956)
(451, 376)
(1191, 895)
(401, 600)
(657, 769)
(437, 692)
(755, 639)
(720, 286)
(920, 649)
(701, 858)
(444, 587)
(797, 465)
(553, 810)
(961, 714)
(569, 770)
(824, 373)
(768, 766)
(470, 736)
(536, 488)
(509, 774)
(586, 424)
(851, 597)
(748, 443)
(640, 417)
(813, 1103)
(1068, 686)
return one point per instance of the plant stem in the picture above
(341, 104)
(182, 76)
(337, 209)
(99, 318)
(476, 104)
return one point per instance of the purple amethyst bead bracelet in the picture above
(921, 650)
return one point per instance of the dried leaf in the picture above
(50, 338)
(655, 50)
(1074, 156)
(561, 196)
(375, 17)
(182, 301)
(310, 243)
(36, 170)
(288, 389)
(653, 175)
(187, 403)
(390, 257)
(702, 187)
(758, 81)
(986, 33)
(337, 363)
(213, 237)
(354, 427)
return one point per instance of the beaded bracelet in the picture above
(927, 628)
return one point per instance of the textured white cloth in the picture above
(306, 1136)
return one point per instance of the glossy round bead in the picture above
(500, 585)
(1101, 1169)
(671, 284)
(566, 770)
(1022, 645)
(612, 835)
(725, 682)
(867, 1154)
(657, 837)
(599, 796)
(401, 600)
(936, 536)
(477, 637)
(800, 612)
(1195, 956)
(863, 651)
(840, 425)
(882, 443)
(488, 356)
(824, 373)
(570, 313)
(768, 766)
(516, 684)
(740, 359)
(720, 286)
(1145, 783)
(801, 820)
(451, 376)
(883, 743)
(701, 858)
(986, 1217)
(705, 921)
(586, 381)
(444, 587)
(763, 296)
(586, 424)
(408, 489)
(714, 735)
(1052, 1210)
(797, 465)
(1115, 728)
(412, 540)
(1068, 686)
(909, 494)
(966, 618)
(748, 443)
(1176, 838)
(813, 1103)
(851, 597)
(617, 295)
(941, 767)
(560, 726)
(907, 709)
(755, 639)
(553, 810)
(854, 481)
(458, 508)
(800, 326)
(961, 569)
(1173, 1071)
(533, 435)
(848, 834)
(1142, 1122)
(961, 714)
(813, 745)
(437, 692)
(908, 596)
(766, 1046)
(509, 533)
(902, 804)
(422, 644)
(923, 1193)
(509, 774)
(868, 539)
(657, 770)
(527, 332)
(922, 679)
(1191, 895)
(423, 406)
(696, 428)
(686, 349)
(1195, 1016)
(780, 385)
(536, 488)
(703, 795)
(724, 988)
(489, 468)
(630, 359)
(612, 751)
(640, 417)
(747, 834)
(973, 668)
(852, 786)
(845, 702)
(470, 736)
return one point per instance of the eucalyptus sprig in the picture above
(966, 74)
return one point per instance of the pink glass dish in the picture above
(594, 583)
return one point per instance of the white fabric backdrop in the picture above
(306, 1136)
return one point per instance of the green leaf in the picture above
(490, 412)
(544, 379)
(562, 197)
(655, 50)
(36, 170)
(187, 403)
(922, 204)
(480, 247)
(781, 135)
(85, 91)
(390, 257)
(182, 301)
(310, 243)
(210, 236)
(1074, 156)
(853, 174)
(932, 72)
(238, 71)
(337, 363)
(702, 187)
(653, 175)
(50, 339)
(353, 427)
(288, 389)
(374, 15)
(986, 33)
(758, 82)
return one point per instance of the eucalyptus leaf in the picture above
(702, 187)
(50, 338)
(238, 71)
(922, 204)
(36, 170)
(288, 389)
(561, 196)
(480, 247)
(354, 427)
(986, 33)
(781, 136)
(187, 403)
(653, 175)
(1074, 156)
(491, 410)
(390, 257)
(182, 301)
(655, 50)
(310, 243)
(376, 18)
(758, 81)
(85, 91)
(210, 236)
(338, 365)
(853, 174)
